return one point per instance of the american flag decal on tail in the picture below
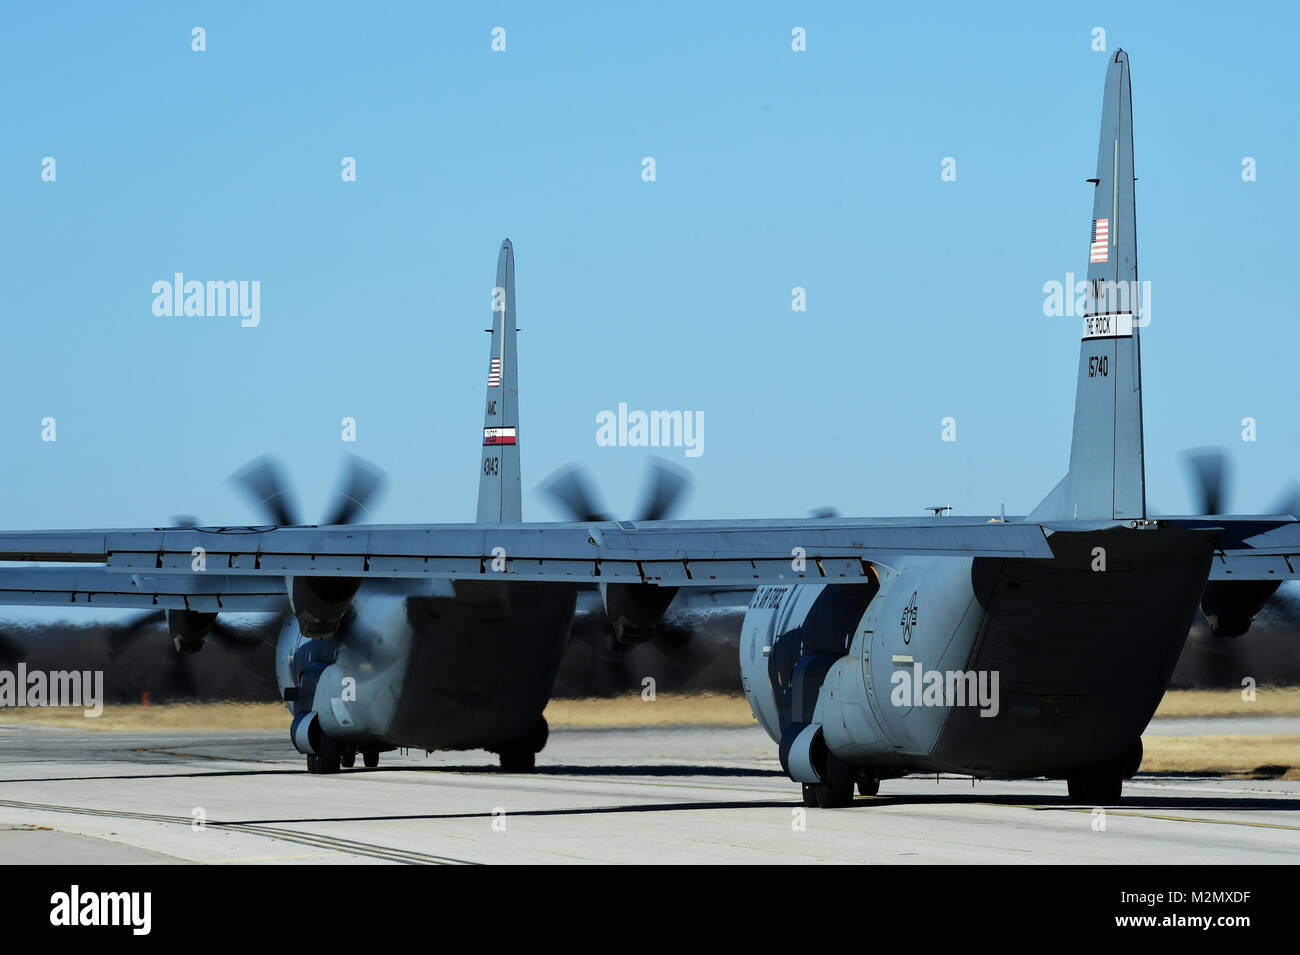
(494, 374)
(1100, 248)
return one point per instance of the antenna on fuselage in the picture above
(940, 510)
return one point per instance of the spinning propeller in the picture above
(262, 481)
(1229, 605)
(570, 489)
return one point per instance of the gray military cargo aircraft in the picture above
(872, 647)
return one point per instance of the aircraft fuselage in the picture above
(432, 665)
(986, 667)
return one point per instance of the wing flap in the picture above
(99, 587)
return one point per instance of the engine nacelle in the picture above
(1230, 606)
(634, 609)
(189, 628)
(320, 603)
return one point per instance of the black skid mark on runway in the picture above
(315, 840)
(543, 771)
(485, 771)
(538, 813)
(1056, 803)
(132, 776)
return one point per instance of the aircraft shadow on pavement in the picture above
(859, 804)
(979, 795)
(483, 770)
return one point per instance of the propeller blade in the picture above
(11, 652)
(360, 485)
(123, 636)
(1282, 612)
(570, 490)
(668, 485)
(182, 683)
(263, 483)
(233, 638)
(1209, 470)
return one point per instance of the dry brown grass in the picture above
(624, 712)
(1269, 701)
(171, 717)
(632, 712)
(1223, 755)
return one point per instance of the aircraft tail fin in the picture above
(1107, 480)
(500, 492)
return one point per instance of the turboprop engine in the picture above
(319, 603)
(189, 628)
(634, 610)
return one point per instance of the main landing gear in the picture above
(1104, 785)
(835, 791)
(520, 756)
(328, 758)
(334, 755)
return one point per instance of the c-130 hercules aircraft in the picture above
(873, 647)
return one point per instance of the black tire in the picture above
(836, 791)
(1096, 789)
(370, 757)
(313, 764)
(331, 754)
(518, 759)
(810, 795)
(868, 786)
(348, 757)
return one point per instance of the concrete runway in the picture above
(643, 796)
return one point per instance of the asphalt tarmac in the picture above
(623, 796)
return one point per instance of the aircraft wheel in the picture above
(348, 757)
(370, 757)
(518, 759)
(331, 755)
(810, 795)
(520, 756)
(868, 786)
(313, 764)
(836, 791)
(1096, 789)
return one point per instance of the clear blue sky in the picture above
(775, 169)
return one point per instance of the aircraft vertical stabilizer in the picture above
(499, 490)
(1106, 480)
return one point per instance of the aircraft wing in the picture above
(669, 553)
(243, 568)
(99, 587)
(1251, 548)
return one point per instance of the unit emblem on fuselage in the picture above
(909, 619)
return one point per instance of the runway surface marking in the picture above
(288, 835)
(688, 796)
